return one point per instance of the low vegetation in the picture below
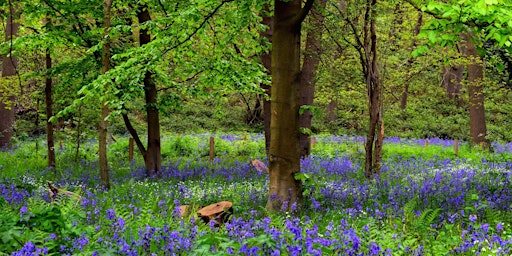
(427, 201)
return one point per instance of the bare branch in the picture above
(304, 12)
(134, 134)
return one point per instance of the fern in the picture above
(410, 206)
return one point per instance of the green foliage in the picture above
(43, 224)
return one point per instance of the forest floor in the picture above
(430, 199)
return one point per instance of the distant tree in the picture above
(410, 61)
(9, 65)
(284, 157)
(476, 21)
(102, 129)
(308, 73)
(362, 27)
(50, 142)
(477, 122)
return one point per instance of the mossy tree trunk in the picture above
(477, 124)
(285, 191)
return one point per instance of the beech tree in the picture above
(285, 191)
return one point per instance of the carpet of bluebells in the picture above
(419, 205)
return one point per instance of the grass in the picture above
(427, 201)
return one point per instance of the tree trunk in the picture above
(102, 129)
(309, 69)
(285, 191)
(478, 128)
(49, 111)
(266, 60)
(152, 156)
(373, 146)
(9, 66)
(452, 78)
(405, 93)
(332, 110)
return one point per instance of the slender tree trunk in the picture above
(373, 146)
(266, 60)
(452, 78)
(102, 129)
(9, 66)
(478, 128)
(332, 110)
(405, 93)
(152, 158)
(308, 74)
(78, 133)
(49, 111)
(285, 191)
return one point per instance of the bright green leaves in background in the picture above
(488, 19)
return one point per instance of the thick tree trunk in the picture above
(49, 112)
(478, 128)
(152, 158)
(9, 65)
(308, 74)
(102, 129)
(284, 158)
(266, 60)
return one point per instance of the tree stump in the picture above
(218, 212)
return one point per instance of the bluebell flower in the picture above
(374, 249)
(111, 214)
(499, 227)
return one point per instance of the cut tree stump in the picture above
(217, 212)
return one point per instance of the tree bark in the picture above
(285, 191)
(266, 60)
(478, 128)
(373, 145)
(452, 78)
(49, 111)
(405, 93)
(102, 129)
(9, 66)
(308, 74)
(152, 156)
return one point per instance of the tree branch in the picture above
(134, 134)
(435, 15)
(304, 12)
(206, 18)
